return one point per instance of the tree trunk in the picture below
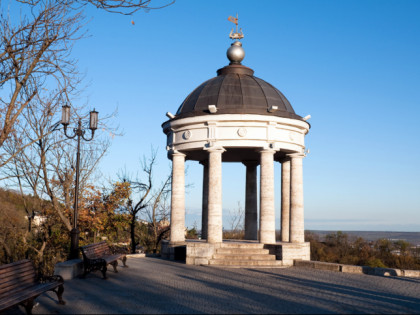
(155, 237)
(133, 236)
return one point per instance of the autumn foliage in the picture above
(338, 247)
(45, 239)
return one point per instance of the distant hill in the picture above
(411, 237)
(12, 201)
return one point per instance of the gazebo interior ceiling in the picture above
(234, 155)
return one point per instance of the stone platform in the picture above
(236, 253)
(156, 286)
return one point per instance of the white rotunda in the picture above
(237, 117)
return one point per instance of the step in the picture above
(244, 257)
(242, 245)
(240, 251)
(249, 267)
(274, 263)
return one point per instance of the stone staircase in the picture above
(244, 255)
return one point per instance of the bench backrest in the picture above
(97, 250)
(16, 276)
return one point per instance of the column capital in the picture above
(250, 163)
(172, 153)
(215, 149)
(296, 155)
(267, 150)
(284, 159)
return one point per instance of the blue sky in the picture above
(353, 65)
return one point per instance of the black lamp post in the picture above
(78, 132)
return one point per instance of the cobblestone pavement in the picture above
(153, 285)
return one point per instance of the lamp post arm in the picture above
(69, 136)
(91, 137)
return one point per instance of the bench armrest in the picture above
(54, 278)
(96, 261)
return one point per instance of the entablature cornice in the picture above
(240, 131)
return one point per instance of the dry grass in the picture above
(234, 235)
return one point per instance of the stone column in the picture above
(297, 232)
(267, 213)
(205, 200)
(285, 200)
(178, 198)
(215, 227)
(251, 201)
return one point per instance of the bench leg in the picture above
(83, 276)
(115, 264)
(124, 259)
(59, 291)
(103, 270)
(28, 305)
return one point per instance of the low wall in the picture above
(193, 253)
(200, 253)
(357, 269)
(173, 251)
(288, 252)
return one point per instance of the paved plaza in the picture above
(154, 285)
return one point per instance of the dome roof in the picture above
(236, 90)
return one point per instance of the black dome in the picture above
(235, 90)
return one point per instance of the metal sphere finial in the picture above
(235, 53)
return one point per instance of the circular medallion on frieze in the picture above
(241, 132)
(187, 134)
(292, 136)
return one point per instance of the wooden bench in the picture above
(20, 285)
(97, 256)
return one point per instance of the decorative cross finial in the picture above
(236, 35)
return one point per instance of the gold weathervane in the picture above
(236, 35)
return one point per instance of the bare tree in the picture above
(237, 218)
(142, 189)
(35, 53)
(37, 76)
(145, 199)
(126, 7)
(35, 58)
(157, 212)
(236, 223)
(46, 167)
